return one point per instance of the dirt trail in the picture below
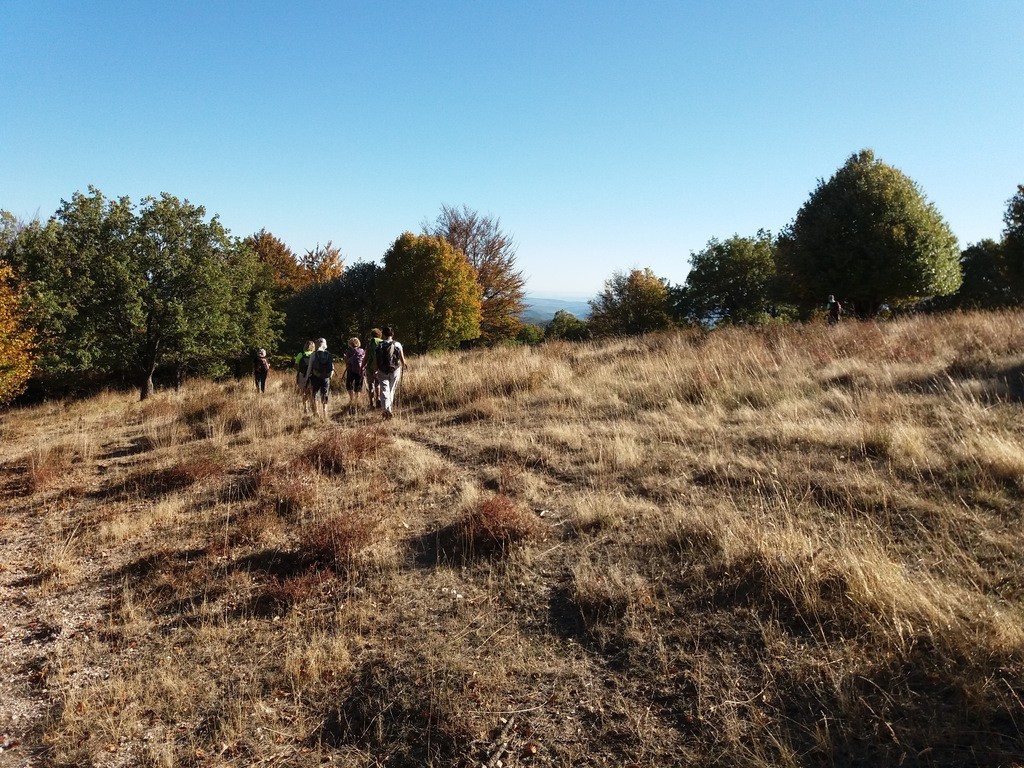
(41, 618)
(25, 634)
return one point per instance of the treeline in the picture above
(107, 292)
(867, 235)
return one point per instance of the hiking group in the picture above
(377, 367)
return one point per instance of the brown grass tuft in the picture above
(336, 543)
(493, 527)
(46, 465)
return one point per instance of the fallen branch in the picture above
(503, 745)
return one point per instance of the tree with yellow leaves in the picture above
(17, 353)
(430, 293)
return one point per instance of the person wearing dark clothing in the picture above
(355, 371)
(260, 369)
(835, 310)
(318, 376)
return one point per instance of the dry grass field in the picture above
(796, 546)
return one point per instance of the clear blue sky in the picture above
(604, 135)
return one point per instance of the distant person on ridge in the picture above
(260, 369)
(390, 363)
(835, 310)
(318, 375)
(355, 371)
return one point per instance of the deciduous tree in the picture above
(119, 293)
(76, 273)
(631, 304)
(730, 281)
(287, 274)
(323, 263)
(17, 348)
(338, 309)
(565, 325)
(430, 292)
(190, 298)
(869, 236)
(1013, 240)
(492, 253)
(988, 280)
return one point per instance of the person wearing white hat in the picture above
(260, 369)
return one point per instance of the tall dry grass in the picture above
(798, 545)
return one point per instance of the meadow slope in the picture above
(794, 546)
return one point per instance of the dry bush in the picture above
(610, 595)
(213, 415)
(337, 542)
(195, 469)
(491, 528)
(405, 714)
(281, 594)
(329, 454)
(151, 483)
(259, 527)
(47, 464)
(289, 491)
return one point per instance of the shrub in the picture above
(494, 527)
(336, 542)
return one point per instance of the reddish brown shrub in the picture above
(194, 470)
(329, 455)
(338, 451)
(494, 527)
(336, 542)
(290, 492)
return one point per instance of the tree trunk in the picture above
(146, 385)
(146, 378)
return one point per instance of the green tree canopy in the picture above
(869, 236)
(119, 292)
(336, 310)
(430, 292)
(730, 281)
(1013, 240)
(492, 253)
(631, 304)
(565, 325)
(987, 279)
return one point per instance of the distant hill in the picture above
(540, 311)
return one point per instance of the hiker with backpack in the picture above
(318, 376)
(355, 371)
(260, 369)
(372, 382)
(301, 367)
(390, 363)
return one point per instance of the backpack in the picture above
(323, 365)
(388, 358)
(371, 355)
(354, 360)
